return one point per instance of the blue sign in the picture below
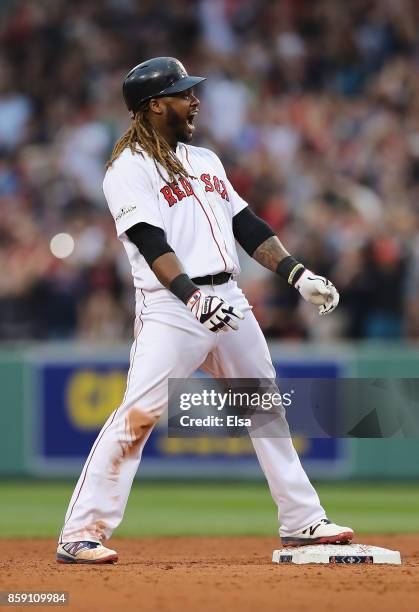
(76, 398)
(316, 449)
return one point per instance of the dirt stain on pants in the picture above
(138, 425)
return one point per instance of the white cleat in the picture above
(320, 532)
(85, 552)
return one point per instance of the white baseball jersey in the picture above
(195, 213)
(170, 342)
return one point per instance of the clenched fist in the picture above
(318, 290)
(213, 312)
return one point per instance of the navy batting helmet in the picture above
(157, 77)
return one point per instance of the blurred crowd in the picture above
(312, 106)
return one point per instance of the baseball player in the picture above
(178, 218)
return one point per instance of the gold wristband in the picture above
(293, 272)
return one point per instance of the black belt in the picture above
(212, 279)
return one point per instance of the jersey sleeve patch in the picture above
(131, 193)
(124, 211)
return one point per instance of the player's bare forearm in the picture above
(270, 253)
(167, 267)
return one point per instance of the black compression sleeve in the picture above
(290, 269)
(250, 231)
(150, 241)
(182, 287)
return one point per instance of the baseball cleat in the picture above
(85, 552)
(320, 532)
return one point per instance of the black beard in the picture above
(177, 126)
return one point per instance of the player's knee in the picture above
(138, 423)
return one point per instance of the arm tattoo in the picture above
(270, 253)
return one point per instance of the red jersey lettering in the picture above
(223, 192)
(177, 191)
(206, 179)
(186, 186)
(168, 195)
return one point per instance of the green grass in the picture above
(36, 509)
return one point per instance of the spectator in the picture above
(313, 107)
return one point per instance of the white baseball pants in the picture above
(170, 343)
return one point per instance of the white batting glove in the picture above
(318, 290)
(213, 312)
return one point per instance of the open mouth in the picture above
(190, 120)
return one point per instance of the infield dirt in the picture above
(214, 574)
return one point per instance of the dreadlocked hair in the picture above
(143, 133)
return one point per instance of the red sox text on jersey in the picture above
(174, 193)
